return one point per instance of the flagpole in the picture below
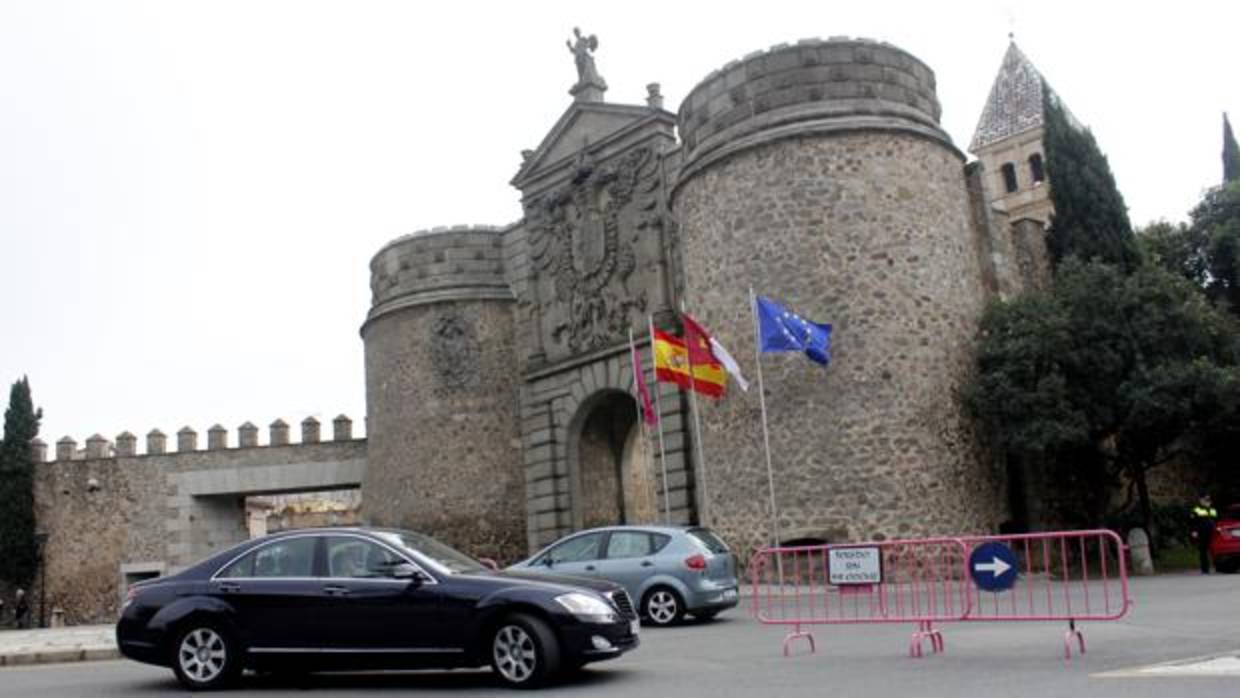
(639, 375)
(766, 433)
(703, 518)
(658, 408)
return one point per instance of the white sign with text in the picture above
(861, 565)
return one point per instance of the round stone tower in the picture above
(443, 452)
(818, 173)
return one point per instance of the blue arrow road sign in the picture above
(993, 567)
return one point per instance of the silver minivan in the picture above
(668, 570)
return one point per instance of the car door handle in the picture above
(336, 590)
(230, 587)
(589, 568)
(647, 563)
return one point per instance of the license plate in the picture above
(634, 626)
(729, 595)
(1235, 532)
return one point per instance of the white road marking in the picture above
(1226, 664)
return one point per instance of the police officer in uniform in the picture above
(1204, 515)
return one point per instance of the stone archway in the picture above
(615, 484)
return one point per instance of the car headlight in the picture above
(590, 609)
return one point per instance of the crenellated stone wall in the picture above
(814, 86)
(122, 513)
(445, 263)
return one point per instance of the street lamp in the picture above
(40, 542)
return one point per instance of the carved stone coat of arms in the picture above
(454, 350)
(586, 241)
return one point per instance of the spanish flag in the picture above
(671, 365)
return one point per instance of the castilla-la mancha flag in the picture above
(705, 349)
(671, 365)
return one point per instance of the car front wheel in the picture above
(524, 652)
(663, 606)
(205, 657)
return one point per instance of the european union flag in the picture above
(780, 329)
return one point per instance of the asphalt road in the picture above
(1175, 618)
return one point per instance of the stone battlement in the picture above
(439, 264)
(126, 444)
(445, 229)
(812, 86)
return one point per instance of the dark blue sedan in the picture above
(362, 598)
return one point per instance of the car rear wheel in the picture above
(662, 606)
(524, 652)
(205, 657)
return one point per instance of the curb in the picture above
(59, 656)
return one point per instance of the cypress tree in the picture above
(1090, 219)
(1231, 153)
(17, 524)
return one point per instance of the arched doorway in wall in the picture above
(614, 479)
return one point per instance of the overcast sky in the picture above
(190, 192)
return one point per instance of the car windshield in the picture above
(451, 560)
(707, 538)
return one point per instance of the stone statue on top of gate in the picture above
(590, 85)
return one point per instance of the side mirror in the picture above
(548, 561)
(405, 570)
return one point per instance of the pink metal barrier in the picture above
(1057, 576)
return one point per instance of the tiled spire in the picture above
(1015, 102)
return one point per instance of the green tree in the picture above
(1090, 219)
(1177, 247)
(1231, 153)
(1216, 222)
(1105, 376)
(17, 524)
(1206, 251)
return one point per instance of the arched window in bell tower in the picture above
(1036, 171)
(1009, 176)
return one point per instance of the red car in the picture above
(1225, 543)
